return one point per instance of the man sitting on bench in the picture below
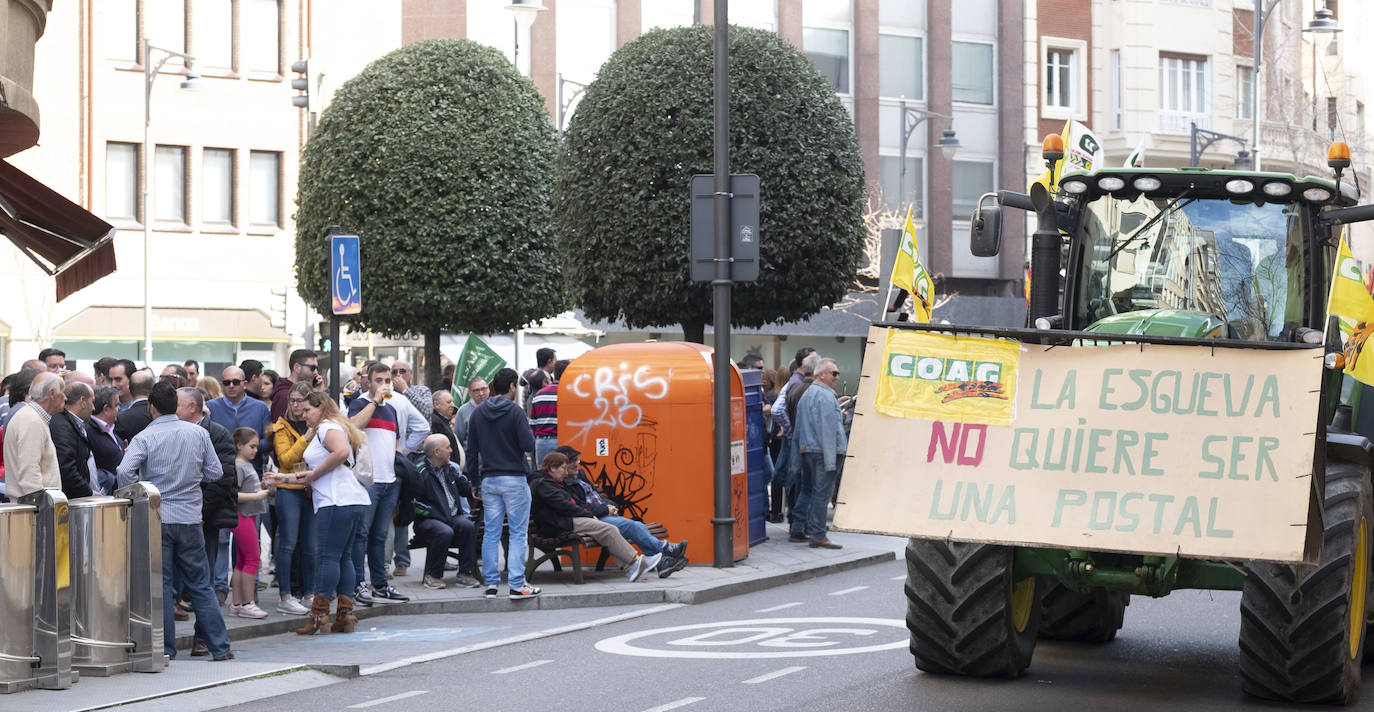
(439, 518)
(674, 555)
(557, 513)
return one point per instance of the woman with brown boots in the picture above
(339, 501)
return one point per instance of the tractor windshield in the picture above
(1192, 266)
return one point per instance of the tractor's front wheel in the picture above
(966, 612)
(1302, 627)
(1092, 617)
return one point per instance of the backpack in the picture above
(361, 464)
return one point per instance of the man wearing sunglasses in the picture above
(304, 365)
(235, 409)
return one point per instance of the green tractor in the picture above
(1230, 266)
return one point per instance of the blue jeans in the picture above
(223, 560)
(822, 483)
(371, 538)
(543, 446)
(402, 545)
(337, 528)
(295, 528)
(438, 537)
(184, 562)
(801, 489)
(505, 498)
(635, 533)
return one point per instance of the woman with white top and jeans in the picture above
(339, 503)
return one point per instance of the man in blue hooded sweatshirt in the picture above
(498, 438)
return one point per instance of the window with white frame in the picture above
(169, 203)
(1183, 90)
(1061, 79)
(665, 14)
(119, 29)
(121, 180)
(1118, 90)
(1245, 92)
(971, 67)
(899, 192)
(828, 49)
(217, 186)
(901, 67)
(264, 186)
(261, 35)
(164, 23)
(214, 34)
(971, 180)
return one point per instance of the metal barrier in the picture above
(145, 576)
(100, 585)
(52, 620)
(17, 523)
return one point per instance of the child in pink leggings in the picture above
(252, 502)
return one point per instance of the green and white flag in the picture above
(477, 359)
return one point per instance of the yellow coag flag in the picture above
(950, 378)
(922, 286)
(1353, 308)
(904, 267)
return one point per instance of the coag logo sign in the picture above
(934, 368)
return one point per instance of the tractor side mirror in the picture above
(985, 228)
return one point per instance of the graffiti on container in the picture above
(614, 393)
(626, 478)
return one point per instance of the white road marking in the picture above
(523, 637)
(770, 609)
(518, 668)
(899, 578)
(847, 590)
(384, 700)
(676, 704)
(762, 638)
(775, 673)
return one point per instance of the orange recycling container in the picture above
(641, 415)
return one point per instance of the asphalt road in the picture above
(832, 643)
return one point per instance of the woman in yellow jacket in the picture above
(295, 510)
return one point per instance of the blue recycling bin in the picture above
(754, 454)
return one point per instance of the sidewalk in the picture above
(773, 562)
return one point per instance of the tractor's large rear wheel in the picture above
(1302, 627)
(966, 613)
(1093, 617)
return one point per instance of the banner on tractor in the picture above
(1169, 450)
(939, 377)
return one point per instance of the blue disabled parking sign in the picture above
(345, 274)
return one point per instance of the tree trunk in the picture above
(433, 371)
(694, 331)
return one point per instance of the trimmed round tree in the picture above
(440, 157)
(645, 126)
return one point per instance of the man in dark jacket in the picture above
(106, 447)
(441, 420)
(135, 418)
(69, 439)
(559, 511)
(439, 518)
(498, 438)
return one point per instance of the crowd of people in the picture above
(338, 486)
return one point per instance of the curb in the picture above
(704, 592)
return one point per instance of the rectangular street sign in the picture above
(345, 274)
(744, 227)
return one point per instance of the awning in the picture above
(60, 236)
(126, 324)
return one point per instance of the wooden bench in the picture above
(573, 547)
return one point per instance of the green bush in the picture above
(645, 126)
(440, 157)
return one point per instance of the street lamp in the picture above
(566, 100)
(192, 81)
(1323, 22)
(911, 118)
(525, 12)
(1198, 147)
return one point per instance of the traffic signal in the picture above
(326, 345)
(301, 84)
(278, 307)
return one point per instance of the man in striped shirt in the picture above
(176, 457)
(544, 415)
